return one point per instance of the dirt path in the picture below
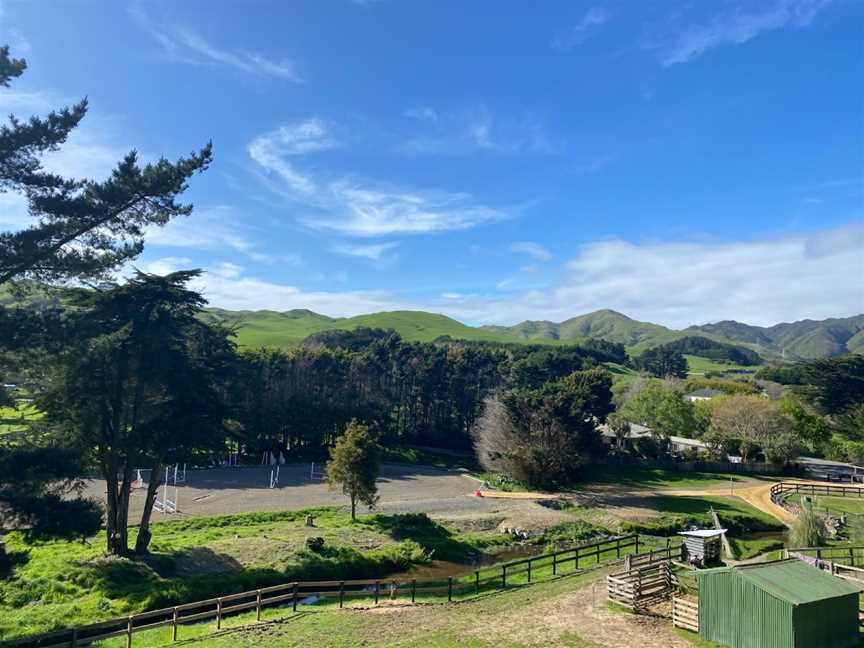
(585, 613)
(758, 497)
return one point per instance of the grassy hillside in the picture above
(273, 329)
(604, 324)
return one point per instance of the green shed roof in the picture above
(791, 580)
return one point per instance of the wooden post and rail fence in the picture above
(518, 572)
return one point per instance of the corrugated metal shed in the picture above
(784, 604)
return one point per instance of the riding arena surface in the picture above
(222, 491)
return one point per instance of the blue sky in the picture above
(679, 162)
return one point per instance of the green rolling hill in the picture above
(805, 339)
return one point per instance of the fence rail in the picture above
(685, 614)
(847, 555)
(783, 488)
(500, 576)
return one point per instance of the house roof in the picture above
(704, 533)
(791, 580)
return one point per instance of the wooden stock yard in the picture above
(519, 572)
(648, 580)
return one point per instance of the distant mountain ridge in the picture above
(806, 339)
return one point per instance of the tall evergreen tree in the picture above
(81, 229)
(142, 387)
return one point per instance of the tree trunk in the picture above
(117, 505)
(144, 534)
(353, 508)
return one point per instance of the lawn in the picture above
(676, 512)
(853, 505)
(431, 625)
(59, 584)
(697, 365)
(656, 478)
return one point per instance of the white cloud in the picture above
(167, 265)
(534, 250)
(188, 46)
(247, 293)
(374, 252)
(227, 270)
(577, 34)
(476, 131)
(353, 207)
(814, 275)
(736, 24)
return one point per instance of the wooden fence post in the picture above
(477, 581)
(503, 576)
(617, 547)
(129, 632)
(74, 637)
(413, 589)
(637, 544)
(174, 625)
(449, 589)
(529, 570)
(294, 598)
(377, 584)
(219, 613)
(341, 593)
(258, 605)
(576, 560)
(555, 564)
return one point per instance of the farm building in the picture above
(702, 547)
(781, 604)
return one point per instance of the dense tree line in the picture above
(708, 348)
(408, 392)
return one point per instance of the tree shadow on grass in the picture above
(437, 541)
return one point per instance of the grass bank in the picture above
(59, 584)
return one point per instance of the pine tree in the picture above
(82, 228)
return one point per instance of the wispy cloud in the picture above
(578, 33)
(476, 131)
(185, 45)
(534, 250)
(212, 228)
(374, 252)
(424, 113)
(680, 40)
(355, 207)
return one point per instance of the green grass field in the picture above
(59, 584)
(697, 365)
(516, 618)
(656, 478)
